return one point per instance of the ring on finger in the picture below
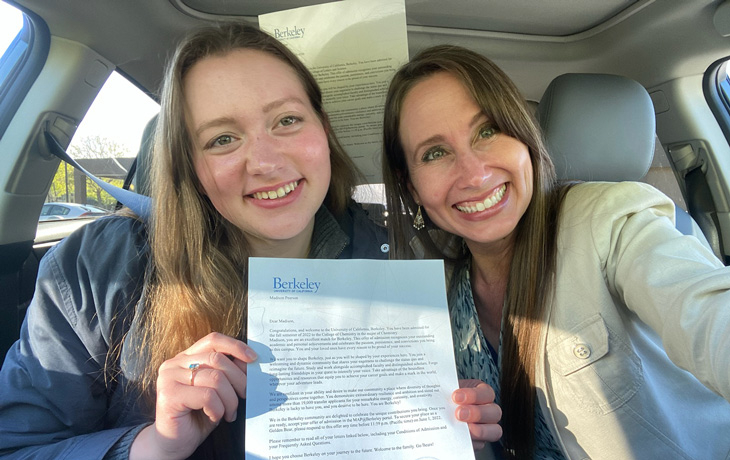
(194, 367)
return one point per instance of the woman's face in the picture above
(260, 151)
(471, 179)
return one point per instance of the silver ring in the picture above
(194, 367)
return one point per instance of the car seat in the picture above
(141, 179)
(601, 127)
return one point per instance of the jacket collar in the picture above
(328, 238)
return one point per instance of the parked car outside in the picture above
(56, 211)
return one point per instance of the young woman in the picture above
(245, 164)
(581, 305)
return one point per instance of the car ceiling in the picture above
(556, 17)
(651, 41)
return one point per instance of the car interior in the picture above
(624, 90)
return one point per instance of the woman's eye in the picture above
(433, 154)
(287, 121)
(222, 140)
(485, 132)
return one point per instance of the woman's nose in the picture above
(473, 171)
(264, 156)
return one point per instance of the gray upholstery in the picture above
(598, 127)
(602, 128)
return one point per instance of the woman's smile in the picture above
(470, 207)
(276, 193)
(277, 196)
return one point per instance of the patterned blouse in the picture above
(476, 359)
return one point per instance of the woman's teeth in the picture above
(488, 202)
(278, 193)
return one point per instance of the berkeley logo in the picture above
(285, 34)
(295, 285)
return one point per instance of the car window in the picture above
(11, 22)
(105, 144)
(14, 56)
(716, 88)
(59, 210)
(725, 87)
(372, 198)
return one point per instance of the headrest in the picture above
(598, 127)
(144, 158)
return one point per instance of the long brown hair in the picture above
(197, 279)
(532, 267)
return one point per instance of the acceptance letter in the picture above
(355, 361)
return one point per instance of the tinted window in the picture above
(23, 49)
(59, 211)
(11, 23)
(716, 87)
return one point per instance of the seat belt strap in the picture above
(139, 204)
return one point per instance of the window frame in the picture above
(23, 72)
(717, 93)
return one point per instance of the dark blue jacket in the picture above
(55, 399)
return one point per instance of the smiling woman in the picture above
(581, 304)
(240, 116)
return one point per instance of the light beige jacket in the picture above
(633, 300)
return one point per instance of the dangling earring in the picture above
(418, 222)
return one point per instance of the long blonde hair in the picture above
(533, 261)
(196, 281)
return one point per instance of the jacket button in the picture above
(581, 350)
(385, 247)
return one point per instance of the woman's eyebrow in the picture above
(438, 138)
(266, 108)
(279, 102)
(213, 123)
(478, 118)
(227, 120)
(435, 139)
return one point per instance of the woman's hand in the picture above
(476, 407)
(192, 400)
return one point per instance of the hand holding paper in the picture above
(477, 408)
(355, 361)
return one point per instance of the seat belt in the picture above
(127, 182)
(705, 215)
(139, 204)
